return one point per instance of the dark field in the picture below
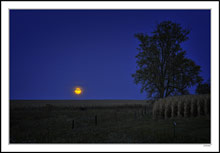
(100, 121)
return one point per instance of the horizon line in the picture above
(78, 99)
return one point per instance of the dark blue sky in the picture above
(52, 51)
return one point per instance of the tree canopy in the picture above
(163, 68)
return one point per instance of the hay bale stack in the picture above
(182, 106)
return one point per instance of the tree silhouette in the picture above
(163, 69)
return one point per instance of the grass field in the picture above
(100, 121)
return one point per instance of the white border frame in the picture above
(214, 6)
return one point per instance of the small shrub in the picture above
(203, 88)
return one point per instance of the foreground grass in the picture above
(127, 124)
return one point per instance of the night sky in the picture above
(52, 51)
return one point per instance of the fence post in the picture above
(174, 132)
(143, 112)
(198, 108)
(135, 115)
(48, 134)
(96, 121)
(115, 114)
(73, 124)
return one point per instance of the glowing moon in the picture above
(78, 91)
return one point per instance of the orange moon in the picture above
(78, 91)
